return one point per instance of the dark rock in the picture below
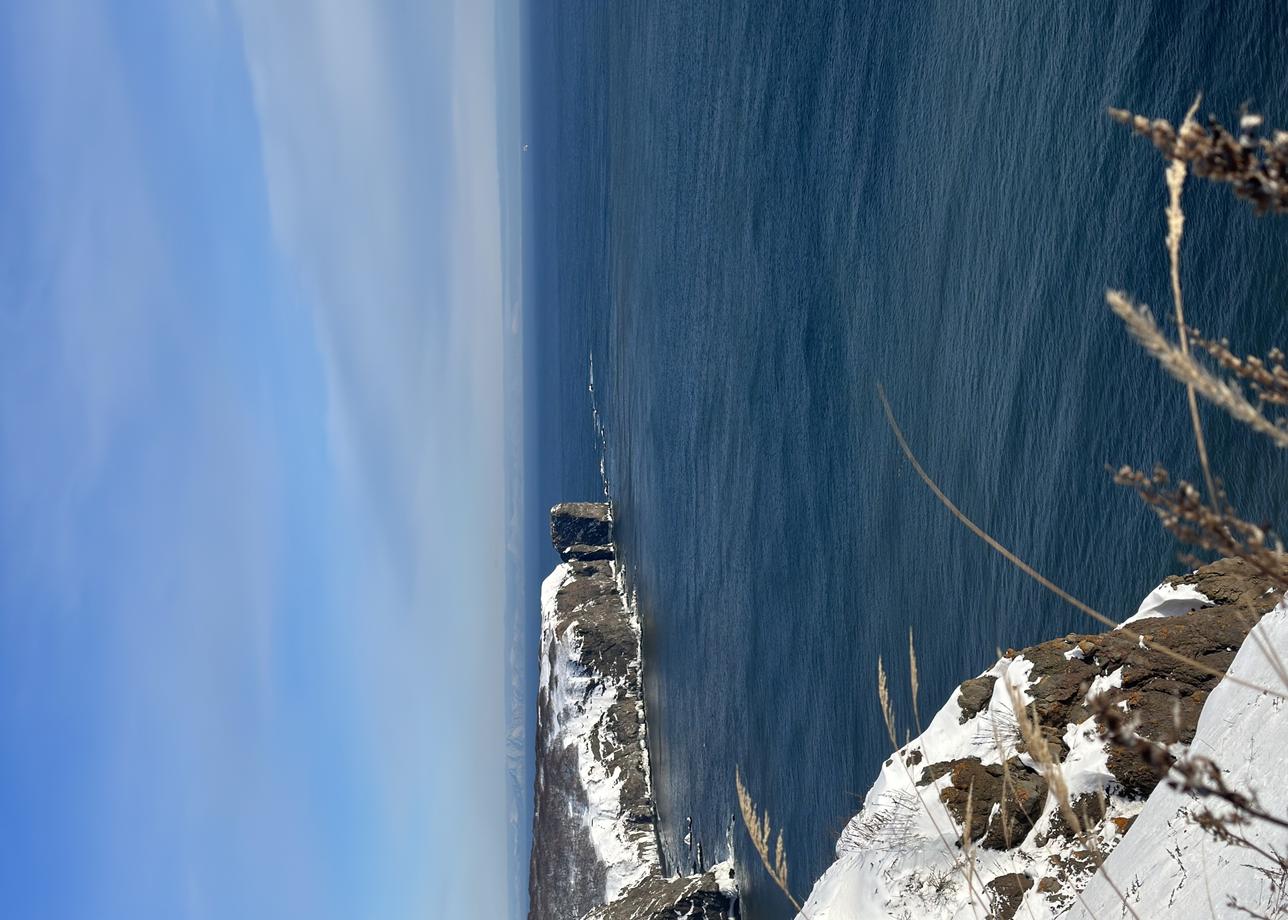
(974, 696)
(580, 524)
(1005, 893)
(1230, 583)
(590, 619)
(1088, 808)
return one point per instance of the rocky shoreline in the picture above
(595, 852)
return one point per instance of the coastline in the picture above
(596, 851)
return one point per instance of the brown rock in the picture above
(974, 696)
(1005, 893)
(1019, 791)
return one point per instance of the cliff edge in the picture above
(962, 821)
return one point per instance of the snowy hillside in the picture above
(1168, 864)
(970, 775)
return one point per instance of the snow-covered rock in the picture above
(595, 845)
(1169, 599)
(962, 823)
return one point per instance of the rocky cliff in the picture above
(595, 850)
(963, 822)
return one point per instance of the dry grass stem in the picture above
(1255, 166)
(1267, 377)
(887, 710)
(760, 831)
(1181, 365)
(913, 681)
(1175, 227)
(1217, 528)
(1038, 576)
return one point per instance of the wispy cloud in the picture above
(250, 428)
(379, 135)
(139, 511)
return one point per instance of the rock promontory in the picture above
(595, 848)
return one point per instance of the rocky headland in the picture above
(595, 850)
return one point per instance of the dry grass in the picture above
(1267, 377)
(887, 710)
(1217, 528)
(913, 680)
(1037, 576)
(1184, 368)
(761, 832)
(1255, 166)
(1175, 228)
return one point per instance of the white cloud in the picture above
(379, 137)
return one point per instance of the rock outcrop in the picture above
(595, 850)
(970, 782)
(700, 897)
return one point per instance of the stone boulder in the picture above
(582, 530)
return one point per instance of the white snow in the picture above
(723, 872)
(1169, 601)
(898, 857)
(1168, 866)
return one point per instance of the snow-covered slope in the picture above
(902, 856)
(1168, 866)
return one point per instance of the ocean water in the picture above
(752, 215)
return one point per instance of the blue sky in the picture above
(251, 471)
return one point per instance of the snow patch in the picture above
(1169, 601)
(1168, 864)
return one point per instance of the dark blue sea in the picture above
(752, 214)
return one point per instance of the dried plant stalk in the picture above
(1267, 377)
(887, 710)
(913, 681)
(1255, 166)
(1217, 528)
(760, 831)
(1176, 171)
(1181, 365)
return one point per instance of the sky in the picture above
(251, 458)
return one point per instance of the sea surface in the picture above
(751, 215)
